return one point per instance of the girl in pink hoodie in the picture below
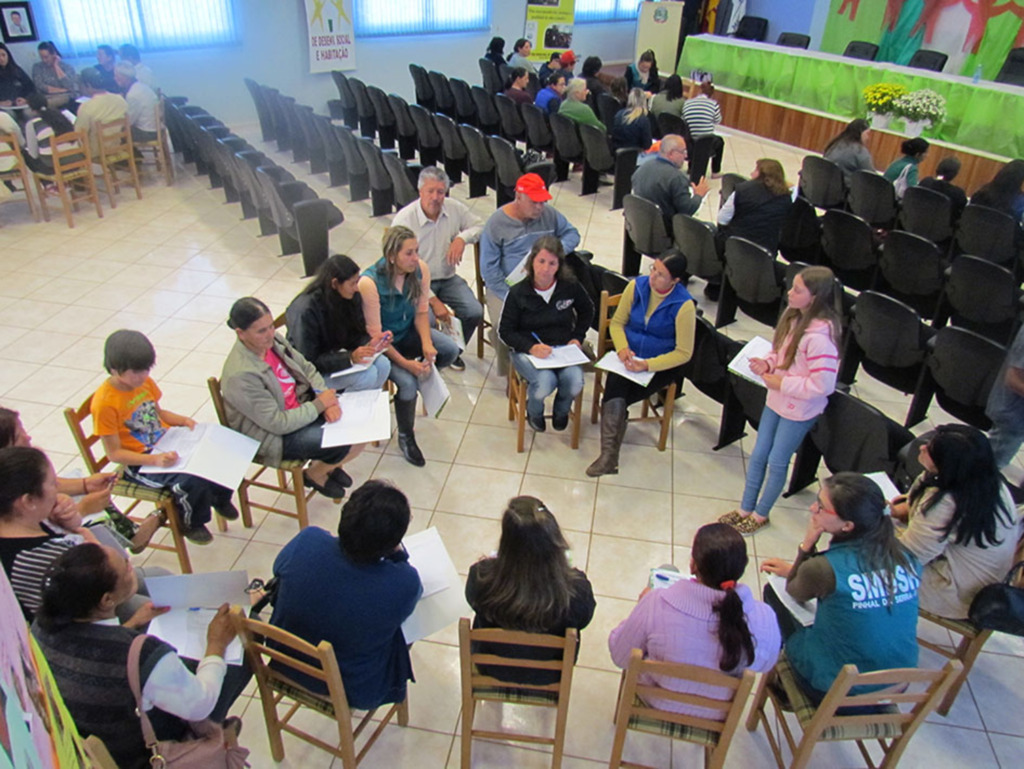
(800, 374)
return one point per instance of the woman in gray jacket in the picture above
(273, 394)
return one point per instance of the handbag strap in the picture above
(134, 656)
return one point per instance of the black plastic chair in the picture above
(872, 197)
(911, 269)
(480, 161)
(387, 126)
(987, 233)
(225, 148)
(367, 117)
(607, 107)
(403, 179)
(404, 126)
(538, 132)
(333, 151)
(708, 369)
(794, 40)
(931, 60)
(888, 338)
(568, 147)
(247, 185)
(959, 372)
(851, 436)
(465, 107)
(800, 237)
(597, 157)
(821, 183)
(861, 49)
(491, 78)
(252, 188)
(306, 229)
(695, 239)
(507, 168)
(452, 146)
(512, 127)
(315, 150)
(752, 281)
(644, 233)
(487, 118)
(848, 247)
(752, 28)
(349, 108)
(382, 190)
(927, 213)
(424, 90)
(358, 174)
(1012, 71)
(262, 111)
(729, 182)
(981, 296)
(427, 137)
(444, 99)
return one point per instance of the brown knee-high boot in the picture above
(613, 428)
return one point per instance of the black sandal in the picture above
(330, 488)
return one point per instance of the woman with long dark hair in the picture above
(962, 523)
(496, 50)
(669, 98)
(644, 74)
(53, 77)
(865, 582)
(711, 620)
(848, 151)
(325, 323)
(529, 585)
(15, 84)
(1003, 193)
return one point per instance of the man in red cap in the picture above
(507, 239)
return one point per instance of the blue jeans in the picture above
(777, 440)
(543, 381)
(410, 347)
(457, 294)
(372, 378)
(1006, 440)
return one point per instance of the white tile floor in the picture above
(171, 264)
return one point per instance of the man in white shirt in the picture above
(443, 228)
(142, 102)
(143, 73)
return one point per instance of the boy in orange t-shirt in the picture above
(127, 416)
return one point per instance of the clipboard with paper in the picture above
(758, 347)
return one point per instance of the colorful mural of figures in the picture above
(331, 38)
(971, 32)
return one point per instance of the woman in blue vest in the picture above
(652, 329)
(866, 584)
(394, 292)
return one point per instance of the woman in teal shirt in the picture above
(913, 151)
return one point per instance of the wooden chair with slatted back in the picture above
(714, 734)
(162, 498)
(652, 410)
(159, 147)
(10, 155)
(972, 639)
(72, 175)
(477, 687)
(904, 697)
(291, 655)
(117, 153)
(485, 324)
(517, 392)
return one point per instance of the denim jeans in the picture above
(1006, 440)
(409, 385)
(543, 381)
(457, 294)
(777, 440)
(372, 378)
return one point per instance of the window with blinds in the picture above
(384, 18)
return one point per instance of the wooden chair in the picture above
(650, 410)
(97, 753)
(892, 728)
(117, 150)
(162, 498)
(290, 470)
(291, 655)
(72, 168)
(972, 639)
(477, 687)
(485, 324)
(633, 712)
(159, 147)
(11, 151)
(517, 387)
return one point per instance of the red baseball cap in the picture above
(568, 58)
(533, 187)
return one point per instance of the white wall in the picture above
(273, 52)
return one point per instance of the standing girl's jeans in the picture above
(777, 440)
(544, 381)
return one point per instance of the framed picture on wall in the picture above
(17, 23)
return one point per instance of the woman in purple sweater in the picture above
(709, 620)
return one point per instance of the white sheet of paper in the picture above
(203, 591)
(441, 606)
(518, 272)
(210, 451)
(560, 357)
(613, 364)
(185, 630)
(455, 331)
(803, 612)
(758, 347)
(365, 417)
(355, 368)
(885, 484)
(434, 392)
(659, 579)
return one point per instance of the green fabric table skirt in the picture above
(986, 117)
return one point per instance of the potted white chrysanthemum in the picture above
(921, 110)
